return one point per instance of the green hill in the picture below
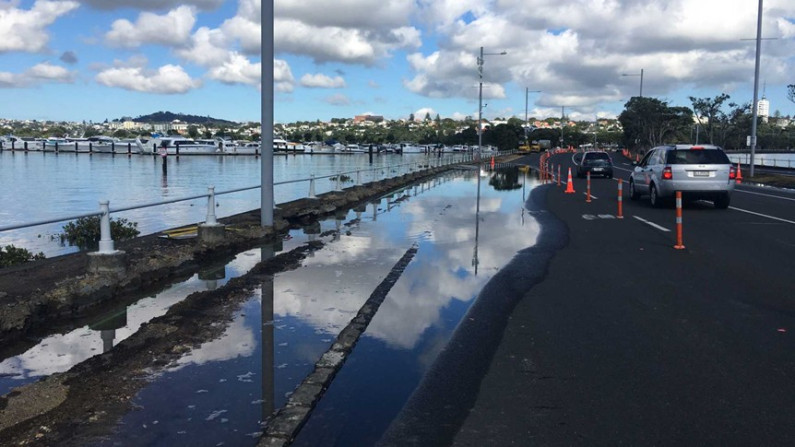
(167, 117)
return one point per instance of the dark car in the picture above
(595, 162)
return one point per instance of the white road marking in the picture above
(652, 224)
(766, 195)
(762, 215)
(592, 196)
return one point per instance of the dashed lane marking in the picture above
(661, 228)
(762, 215)
(766, 195)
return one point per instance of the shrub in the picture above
(85, 233)
(10, 255)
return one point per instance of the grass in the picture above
(781, 181)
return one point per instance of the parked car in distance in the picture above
(595, 162)
(700, 172)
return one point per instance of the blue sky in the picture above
(104, 59)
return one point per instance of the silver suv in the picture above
(700, 172)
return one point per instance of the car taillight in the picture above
(732, 173)
(697, 148)
(667, 173)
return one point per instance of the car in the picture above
(700, 172)
(595, 162)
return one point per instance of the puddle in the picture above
(467, 225)
(59, 352)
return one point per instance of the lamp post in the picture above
(641, 79)
(527, 91)
(480, 97)
(755, 107)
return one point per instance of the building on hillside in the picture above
(372, 118)
(763, 108)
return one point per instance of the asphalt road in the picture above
(613, 337)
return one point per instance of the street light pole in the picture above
(480, 98)
(755, 107)
(641, 79)
(526, 93)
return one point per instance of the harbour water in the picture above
(37, 186)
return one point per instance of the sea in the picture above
(41, 186)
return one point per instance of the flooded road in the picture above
(466, 227)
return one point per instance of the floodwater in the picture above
(466, 225)
(39, 186)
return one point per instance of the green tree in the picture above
(193, 131)
(649, 122)
(710, 109)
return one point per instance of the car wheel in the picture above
(722, 202)
(653, 197)
(633, 194)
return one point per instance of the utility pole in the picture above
(755, 107)
(480, 98)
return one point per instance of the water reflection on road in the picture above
(220, 392)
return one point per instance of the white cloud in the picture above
(320, 80)
(168, 79)
(24, 30)
(237, 70)
(575, 55)
(282, 76)
(152, 5)
(208, 47)
(36, 75)
(172, 29)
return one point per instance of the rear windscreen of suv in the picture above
(696, 157)
(597, 156)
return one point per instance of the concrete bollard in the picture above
(312, 186)
(211, 231)
(106, 244)
(107, 259)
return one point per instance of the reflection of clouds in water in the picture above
(58, 353)
(333, 285)
(238, 340)
(328, 290)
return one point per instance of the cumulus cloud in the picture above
(168, 79)
(208, 47)
(172, 29)
(38, 74)
(575, 52)
(24, 30)
(237, 70)
(283, 79)
(320, 80)
(151, 5)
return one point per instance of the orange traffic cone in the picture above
(569, 185)
(739, 178)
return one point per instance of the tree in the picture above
(427, 116)
(411, 117)
(649, 122)
(791, 92)
(711, 110)
(193, 131)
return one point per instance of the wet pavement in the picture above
(466, 227)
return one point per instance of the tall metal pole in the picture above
(480, 103)
(266, 79)
(526, 92)
(641, 83)
(756, 85)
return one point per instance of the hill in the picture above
(167, 117)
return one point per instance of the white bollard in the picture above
(312, 186)
(106, 245)
(211, 207)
